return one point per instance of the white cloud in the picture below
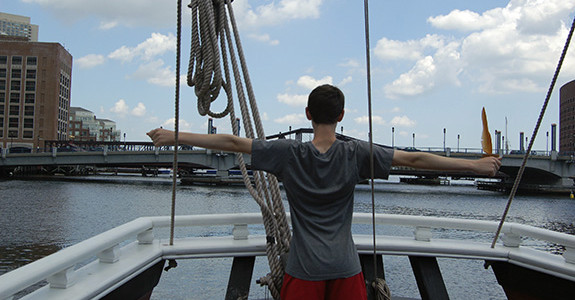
(293, 100)
(120, 107)
(155, 72)
(156, 45)
(350, 63)
(107, 25)
(183, 124)
(310, 83)
(90, 61)
(466, 20)
(139, 110)
(402, 121)
(126, 12)
(292, 119)
(377, 120)
(504, 50)
(415, 82)
(275, 13)
(264, 38)
(346, 80)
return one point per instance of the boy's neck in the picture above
(323, 136)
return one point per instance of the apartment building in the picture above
(35, 82)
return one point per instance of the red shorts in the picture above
(352, 288)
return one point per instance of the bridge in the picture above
(543, 173)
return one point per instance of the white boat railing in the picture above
(59, 268)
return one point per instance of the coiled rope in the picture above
(211, 42)
(534, 135)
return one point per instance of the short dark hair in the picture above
(325, 103)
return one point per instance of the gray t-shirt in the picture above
(320, 190)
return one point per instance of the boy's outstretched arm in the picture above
(224, 142)
(421, 160)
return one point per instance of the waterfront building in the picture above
(85, 126)
(17, 26)
(35, 82)
(567, 118)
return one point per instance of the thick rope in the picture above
(381, 289)
(534, 135)
(210, 25)
(176, 122)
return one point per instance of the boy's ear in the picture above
(340, 117)
(307, 114)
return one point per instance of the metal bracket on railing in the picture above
(569, 255)
(240, 232)
(110, 255)
(146, 237)
(511, 240)
(63, 279)
(422, 234)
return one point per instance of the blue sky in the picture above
(435, 64)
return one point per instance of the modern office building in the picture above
(84, 126)
(567, 118)
(17, 26)
(35, 82)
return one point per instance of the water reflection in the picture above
(13, 257)
(39, 218)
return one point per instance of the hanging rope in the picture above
(380, 286)
(176, 121)
(212, 41)
(534, 135)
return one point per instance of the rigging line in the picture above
(534, 135)
(176, 122)
(371, 162)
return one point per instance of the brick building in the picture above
(567, 118)
(35, 82)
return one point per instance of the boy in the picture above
(319, 178)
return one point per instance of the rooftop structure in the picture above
(17, 26)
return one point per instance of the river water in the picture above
(39, 217)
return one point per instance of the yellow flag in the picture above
(485, 136)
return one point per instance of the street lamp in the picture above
(458, 142)
(443, 139)
(392, 137)
(547, 145)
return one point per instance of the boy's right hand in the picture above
(162, 137)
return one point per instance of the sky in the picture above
(434, 64)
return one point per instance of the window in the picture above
(13, 123)
(28, 134)
(30, 74)
(2, 97)
(16, 73)
(16, 60)
(15, 85)
(13, 133)
(1, 110)
(3, 59)
(29, 110)
(30, 86)
(14, 110)
(28, 123)
(2, 73)
(30, 98)
(31, 60)
(14, 97)
(2, 85)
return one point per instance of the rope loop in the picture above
(204, 68)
